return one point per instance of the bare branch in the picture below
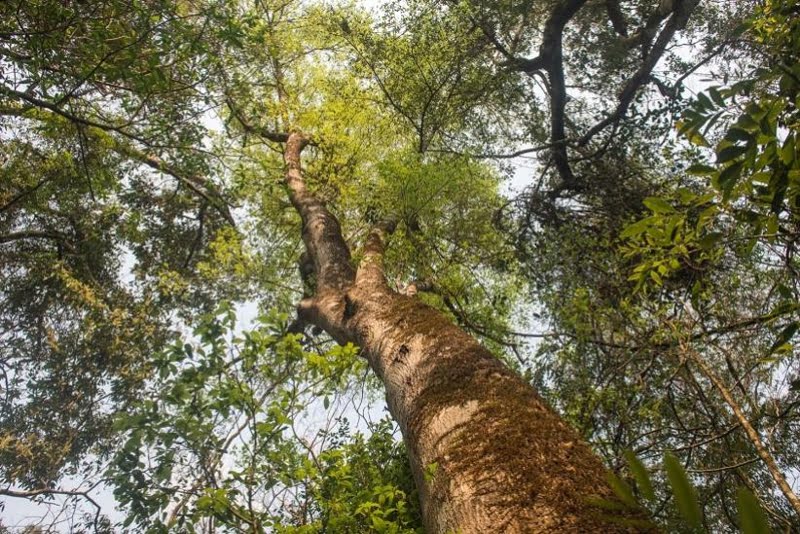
(551, 60)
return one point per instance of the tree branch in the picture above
(551, 60)
(35, 234)
(30, 99)
(370, 269)
(196, 184)
(752, 434)
(322, 234)
(678, 20)
(616, 17)
(247, 126)
(31, 494)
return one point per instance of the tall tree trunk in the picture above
(488, 455)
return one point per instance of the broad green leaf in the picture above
(788, 152)
(658, 205)
(709, 240)
(656, 278)
(622, 490)
(704, 101)
(641, 476)
(752, 519)
(716, 96)
(728, 178)
(699, 169)
(730, 153)
(637, 228)
(738, 134)
(786, 334)
(747, 122)
(696, 138)
(682, 489)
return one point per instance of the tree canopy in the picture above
(604, 193)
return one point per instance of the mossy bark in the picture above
(487, 453)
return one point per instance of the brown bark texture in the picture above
(488, 455)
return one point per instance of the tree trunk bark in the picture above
(488, 455)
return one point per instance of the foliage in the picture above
(701, 267)
(89, 267)
(215, 438)
(751, 516)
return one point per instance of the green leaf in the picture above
(380, 525)
(656, 278)
(747, 122)
(787, 153)
(752, 519)
(755, 111)
(641, 476)
(716, 96)
(684, 493)
(699, 169)
(622, 490)
(738, 134)
(784, 291)
(690, 128)
(786, 84)
(709, 240)
(704, 101)
(658, 205)
(730, 153)
(786, 334)
(728, 177)
(696, 138)
(637, 228)
(205, 503)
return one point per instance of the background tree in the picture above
(678, 329)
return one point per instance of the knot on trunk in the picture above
(350, 307)
(328, 310)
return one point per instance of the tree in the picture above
(696, 352)
(435, 91)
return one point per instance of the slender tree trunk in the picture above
(750, 431)
(488, 455)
